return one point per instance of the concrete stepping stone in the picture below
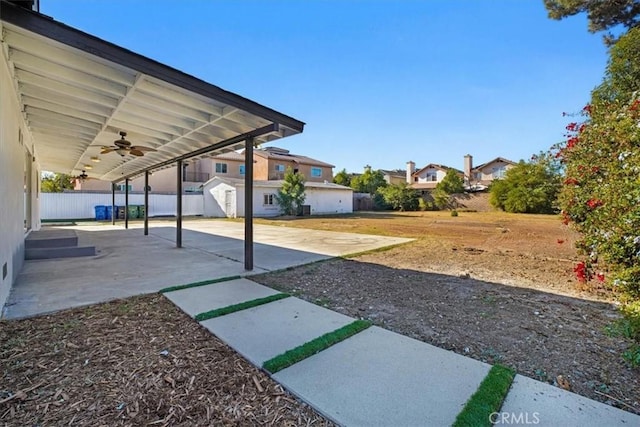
(380, 378)
(263, 332)
(199, 299)
(543, 404)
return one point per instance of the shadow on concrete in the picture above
(128, 263)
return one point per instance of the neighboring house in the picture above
(161, 181)
(224, 197)
(395, 176)
(475, 178)
(428, 177)
(485, 173)
(269, 164)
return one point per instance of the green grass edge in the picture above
(196, 284)
(487, 399)
(238, 307)
(314, 346)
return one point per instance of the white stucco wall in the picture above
(12, 166)
(215, 202)
(259, 208)
(322, 200)
(329, 201)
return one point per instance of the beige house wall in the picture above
(485, 175)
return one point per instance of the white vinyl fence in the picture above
(82, 205)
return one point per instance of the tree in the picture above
(528, 187)
(602, 15)
(400, 196)
(368, 182)
(56, 182)
(342, 178)
(291, 195)
(601, 193)
(451, 184)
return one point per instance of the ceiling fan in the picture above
(124, 147)
(82, 176)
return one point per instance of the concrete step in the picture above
(51, 239)
(61, 252)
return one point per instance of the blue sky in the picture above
(377, 82)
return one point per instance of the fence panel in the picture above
(78, 205)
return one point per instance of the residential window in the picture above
(316, 172)
(431, 176)
(221, 168)
(478, 176)
(280, 168)
(241, 169)
(498, 172)
(269, 199)
(121, 187)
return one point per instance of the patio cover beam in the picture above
(274, 127)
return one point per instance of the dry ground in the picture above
(493, 286)
(133, 362)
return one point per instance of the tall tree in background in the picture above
(342, 178)
(368, 182)
(602, 14)
(56, 182)
(291, 195)
(530, 187)
(400, 196)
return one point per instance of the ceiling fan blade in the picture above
(136, 152)
(142, 148)
(106, 150)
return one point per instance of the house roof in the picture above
(396, 172)
(77, 92)
(239, 182)
(435, 166)
(284, 155)
(274, 153)
(497, 159)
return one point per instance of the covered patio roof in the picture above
(77, 92)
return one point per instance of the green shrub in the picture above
(454, 213)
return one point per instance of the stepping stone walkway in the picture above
(376, 377)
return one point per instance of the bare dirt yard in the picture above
(493, 286)
(133, 362)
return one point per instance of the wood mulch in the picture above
(139, 361)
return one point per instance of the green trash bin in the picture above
(132, 212)
(140, 211)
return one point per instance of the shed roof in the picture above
(238, 182)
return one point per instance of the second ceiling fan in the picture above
(124, 147)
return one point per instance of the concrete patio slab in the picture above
(543, 404)
(197, 300)
(263, 332)
(128, 263)
(380, 378)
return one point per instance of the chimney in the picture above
(468, 165)
(411, 168)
